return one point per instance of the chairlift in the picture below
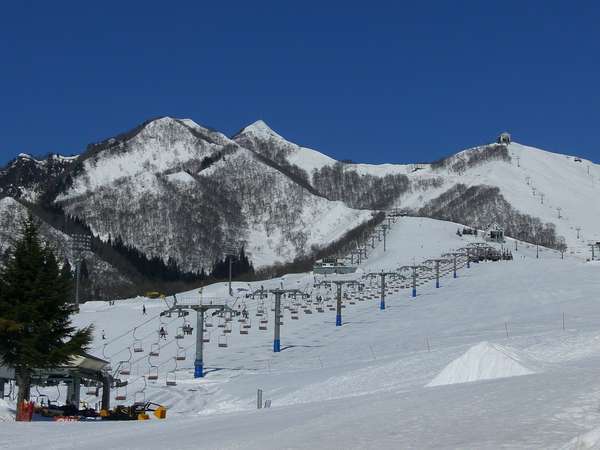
(227, 328)
(179, 334)
(139, 397)
(92, 389)
(263, 325)
(223, 341)
(155, 349)
(121, 394)
(137, 346)
(294, 315)
(208, 322)
(180, 355)
(206, 337)
(153, 373)
(125, 368)
(247, 325)
(171, 379)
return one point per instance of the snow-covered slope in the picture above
(261, 138)
(533, 181)
(538, 183)
(363, 385)
(172, 187)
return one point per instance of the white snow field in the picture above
(556, 188)
(364, 384)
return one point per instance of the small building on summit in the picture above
(504, 138)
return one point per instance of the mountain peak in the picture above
(260, 129)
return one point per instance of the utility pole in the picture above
(230, 253)
(383, 231)
(559, 209)
(414, 269)
(454, 255)
(339, 284)
(80, 243)
(437, 262)
(183, 310)
(578, 229)
(382, 275)
(277, 334)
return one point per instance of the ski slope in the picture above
(365, 384)
(556, 188)
(539, 183)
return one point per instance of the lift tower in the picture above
(383, 275)
(183, 310)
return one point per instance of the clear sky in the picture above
(369, 81)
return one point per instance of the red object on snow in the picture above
(24, 412)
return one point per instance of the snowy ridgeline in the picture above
(175, 190)
(505, 355)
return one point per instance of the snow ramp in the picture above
(484, 361)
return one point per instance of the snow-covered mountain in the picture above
(176, 190)
(520, 187)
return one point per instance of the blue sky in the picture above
(369, 81)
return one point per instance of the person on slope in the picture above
(162, 333)
(143, 310)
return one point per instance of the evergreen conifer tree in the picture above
(35, 309)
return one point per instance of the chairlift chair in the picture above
(121, 394)
(180, 355)
(223, 341)
(125, 368)
(171, 379)
(92, 390)
(139, 397)
(262, 325)
(247, 325)
(179, 334)
(153, 373)
(227, 328)
(155, 349)
(206, 337)
(137, 346)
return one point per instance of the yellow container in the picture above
(143, 416)
(161, 412)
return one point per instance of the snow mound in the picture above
(6, 411)
(483, 361)
(589, 441)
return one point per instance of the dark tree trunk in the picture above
(23, 377)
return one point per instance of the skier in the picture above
(103, 336)
(143, 310)
(162, 333)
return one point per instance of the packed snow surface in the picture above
(363, 385)
(483, 361)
